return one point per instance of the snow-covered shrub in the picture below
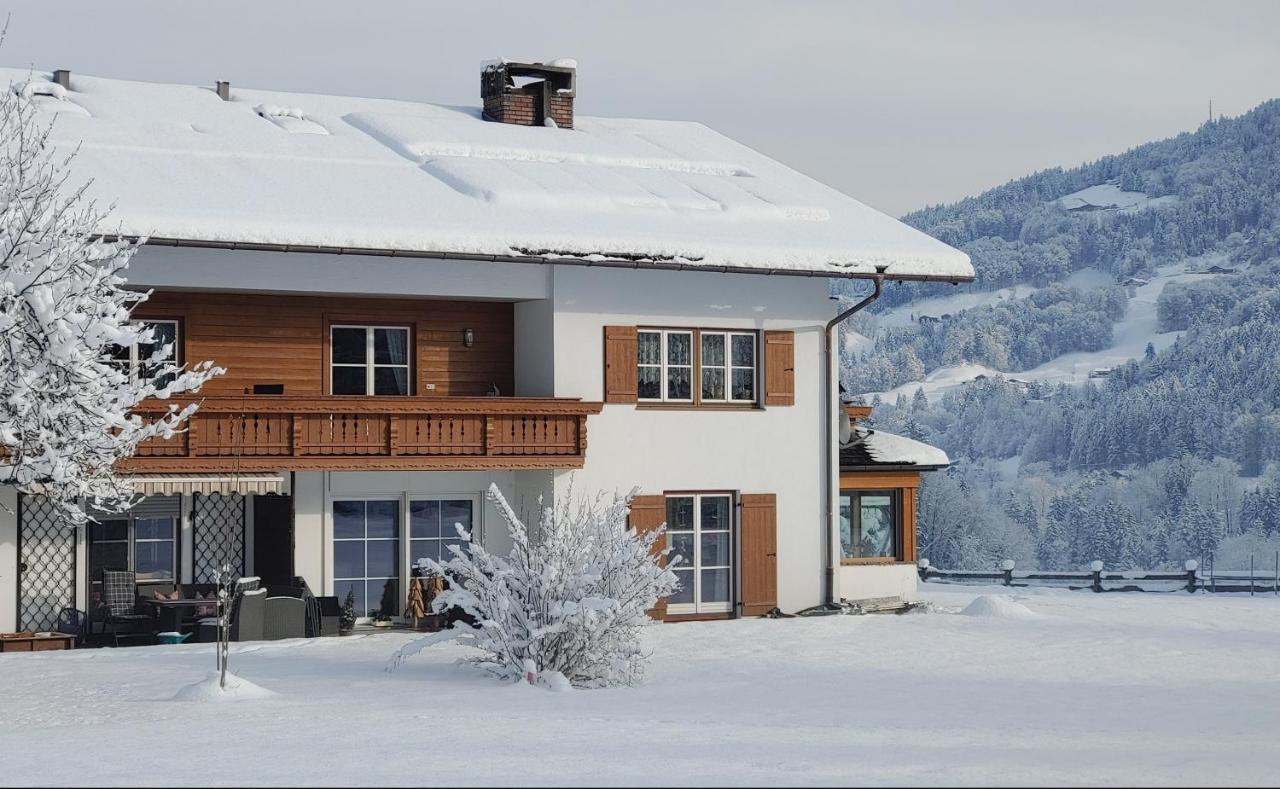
(568, 603)
(64, 405)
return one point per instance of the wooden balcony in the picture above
(230, 434)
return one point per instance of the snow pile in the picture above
(177, 162)
(891, 449)
(210, 689)
(990, 606)
(40, 87)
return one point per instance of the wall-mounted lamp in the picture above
(468, 337)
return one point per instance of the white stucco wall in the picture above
(770, 450)
(8, 559)
(314, 492)
(863, 582)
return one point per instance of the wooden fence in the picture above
(1194, 578)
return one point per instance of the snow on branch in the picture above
(567, 605)
(65, 407)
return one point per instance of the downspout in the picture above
(829, 423)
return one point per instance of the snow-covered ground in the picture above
(1110, 197)
(1046, 687)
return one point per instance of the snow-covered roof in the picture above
(299, 169)
(868, 448)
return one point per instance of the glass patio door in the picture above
(700, 530)
(366, 555)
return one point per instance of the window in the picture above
(433, 527)
(366, 555)
(728, 359)
(725, 362)
(147, 545)
(699, 530)
(869, 524)
(369, 360)
(136, 360)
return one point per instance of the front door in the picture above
(273, 539)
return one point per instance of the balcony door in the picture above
(700, 531)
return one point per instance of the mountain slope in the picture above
(1118, 344)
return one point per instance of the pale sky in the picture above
(899, 104)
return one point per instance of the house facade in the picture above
(415, 302)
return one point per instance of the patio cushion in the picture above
(119, 591)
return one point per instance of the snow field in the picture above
(1096, 689)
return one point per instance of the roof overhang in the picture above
(589, 262)
(225, 484)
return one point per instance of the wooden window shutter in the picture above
(620, 370)
(758, 532)
(779, 368)
(648, 513)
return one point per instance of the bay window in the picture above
(870, 524)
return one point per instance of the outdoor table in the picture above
(169, 612)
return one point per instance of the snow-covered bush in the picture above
(567, 604)
(64, 405)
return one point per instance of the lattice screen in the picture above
(48, 550)
(218, 534)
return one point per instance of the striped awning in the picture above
(173, 484)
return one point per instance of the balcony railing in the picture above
(260, 433)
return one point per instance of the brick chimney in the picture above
(545, 92)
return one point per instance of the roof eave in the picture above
(544, 260)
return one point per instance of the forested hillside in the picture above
(1172, 452)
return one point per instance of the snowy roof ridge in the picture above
(870, 447)
(289, 170)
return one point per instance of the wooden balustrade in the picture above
(263, 433)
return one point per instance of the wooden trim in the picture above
(758, 554)
(874, 480)
(654, 405)
(779, 368)
(713, 617)
(647, 513)
(356, 433)
(621, 357)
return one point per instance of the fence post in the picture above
(1251, 575)
(1191, 566)
(922, 567)
(1096, 568)
(1007, 566)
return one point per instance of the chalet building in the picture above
(413, 302)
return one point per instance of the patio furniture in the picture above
(172, 637)
(285, 616)
(330, 616)
(247, 611)
(171, 614)
(28, 641)
(73, 622)
(119, 611)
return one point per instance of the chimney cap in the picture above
(561, 73)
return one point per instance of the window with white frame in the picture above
(137, 360)
(700, 531)
(697, 366)
(369, 360)
(366, 555)
(433, 527)
(728, 366)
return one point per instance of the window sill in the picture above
(872, 561)
(698, 617)
(656, 406)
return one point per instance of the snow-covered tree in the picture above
(566, 605)
(64, 405)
